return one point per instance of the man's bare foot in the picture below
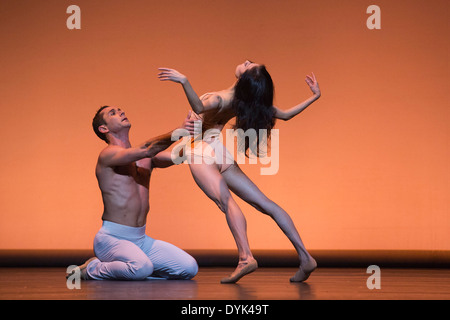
(83, 270)
(304, 270)
(242, 269)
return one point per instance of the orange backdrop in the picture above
(365, 167)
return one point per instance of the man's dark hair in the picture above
(97, 122)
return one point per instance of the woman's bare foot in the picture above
(304, 270)
(242, 269)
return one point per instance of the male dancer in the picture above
(123, 250)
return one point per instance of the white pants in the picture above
(127, 253)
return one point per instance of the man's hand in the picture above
(313, 84)
(168, 74)
(189, 124)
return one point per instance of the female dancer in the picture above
(250, 100)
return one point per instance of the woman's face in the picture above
(240, 69)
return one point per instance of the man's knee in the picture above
(190, 268)
(186, 270)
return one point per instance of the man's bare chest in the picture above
(134, 173)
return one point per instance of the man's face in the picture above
(115, 119)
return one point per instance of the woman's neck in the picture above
(232, 88)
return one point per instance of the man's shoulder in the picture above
(109, 150)
(107, 153)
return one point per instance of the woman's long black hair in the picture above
(253, 106)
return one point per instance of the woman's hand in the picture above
(313, 84)
(167, 74)
(171, 75)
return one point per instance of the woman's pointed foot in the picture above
(304, 271)
(242, 269)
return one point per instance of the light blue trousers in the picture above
(127, 253)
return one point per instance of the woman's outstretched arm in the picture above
(292, 112)
(197, 105)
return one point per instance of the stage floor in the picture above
(264, 284)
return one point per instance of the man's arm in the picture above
(162, 160)
(292, 112)
(117, 156)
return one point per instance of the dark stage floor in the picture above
(264, 284)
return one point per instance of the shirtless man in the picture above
(123, 251)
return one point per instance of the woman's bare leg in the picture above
(243, 187)
(209, 179)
